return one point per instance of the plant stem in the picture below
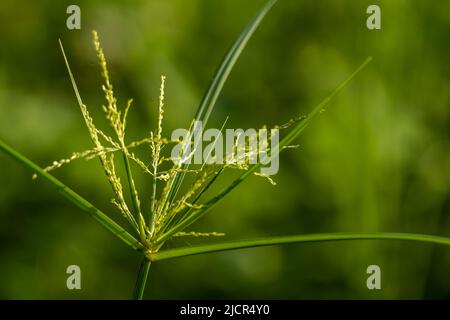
(133, 191)
(141, 279)
(151, 222)
(134, 197)
(320, 237)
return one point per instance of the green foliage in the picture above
(170, 211)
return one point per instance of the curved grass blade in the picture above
(209, 99)
(74, 197)
(320, 237)
(295, 132)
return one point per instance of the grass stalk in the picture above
(141, 280)
(134, 198)
(320, 237)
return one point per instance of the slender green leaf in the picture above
(74, 197)
(295, 132)
(209, 99)
(321, 237)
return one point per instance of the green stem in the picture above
(134, 197)
(320, 237)
(153, 198)
(133, 192)
(141, 279)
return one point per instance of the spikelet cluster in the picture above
(164, 210)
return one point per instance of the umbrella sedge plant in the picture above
(171, 210)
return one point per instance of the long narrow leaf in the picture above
(209, 99)
(285, 141)
(321, 237)
(74, 197)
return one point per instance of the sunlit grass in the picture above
(171, 209)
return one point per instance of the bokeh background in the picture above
(376, 160)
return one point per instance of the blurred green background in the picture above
(377, 160)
